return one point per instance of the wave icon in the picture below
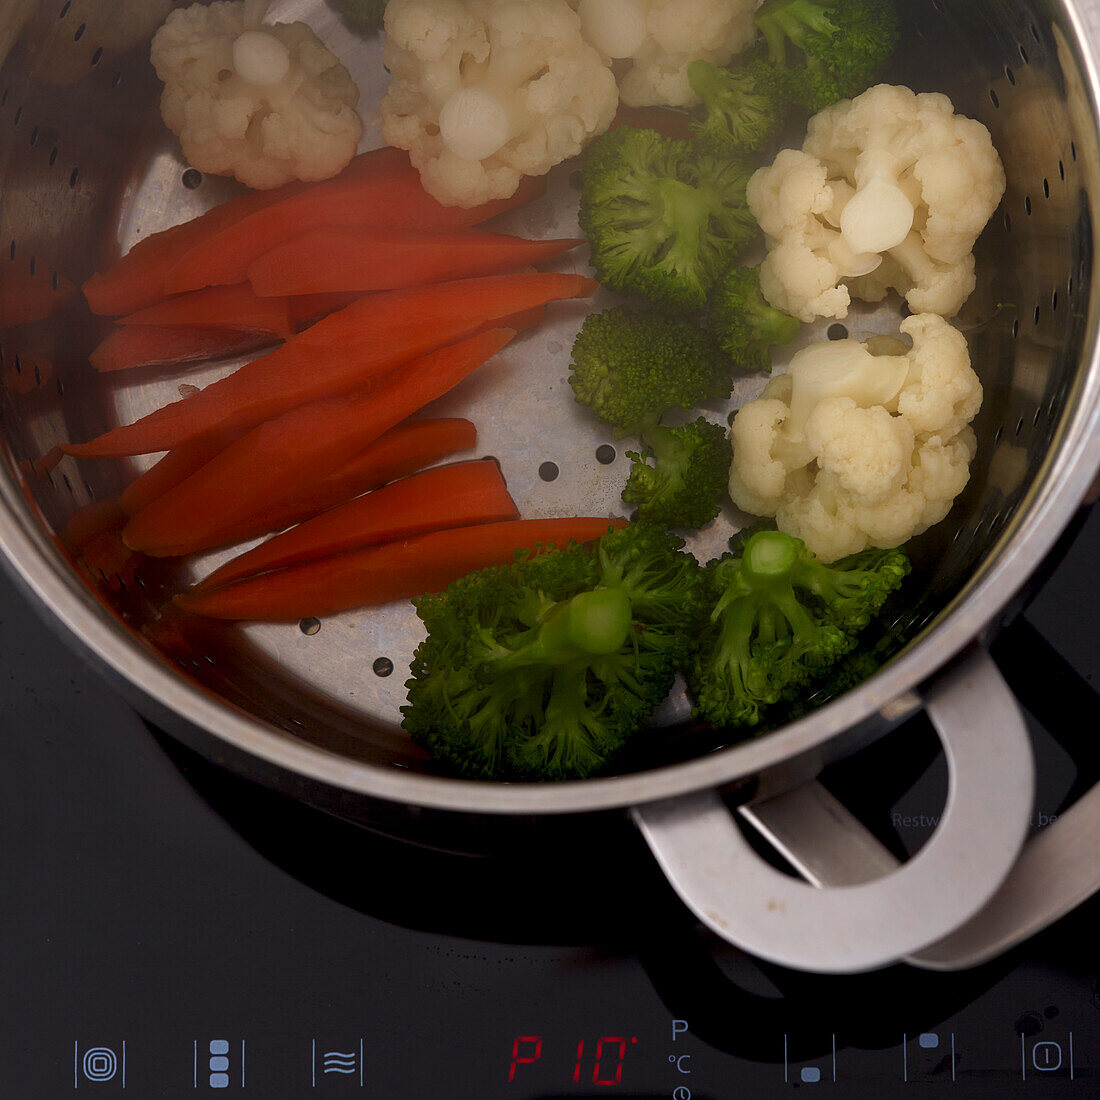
(337, 1061)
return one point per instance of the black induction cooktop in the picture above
(170, 930)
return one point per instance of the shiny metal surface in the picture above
(86, 169)
(847, 919)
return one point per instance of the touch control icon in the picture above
(338, 1062)
(97, 1065)
(1047, 1057)
(218, 1065)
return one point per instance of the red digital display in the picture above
(518, 1059)
(602, 1066)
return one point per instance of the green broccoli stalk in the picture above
(362, 15)
(779, 620)
(543, 669)
(663, 220)
(630, 367)
(843, 45)
(745, 106)
(690, 476)
(744, 326)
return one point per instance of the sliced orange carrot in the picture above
(395, 570)
(397, 453)
(307, 309)
(138, 278)
(45, 465)
(236, 307)
(92, 520)
(346, 350)
(289, 455)
(380, 258)
(393, 197)
(176, 466)
(163, 345)
(109, 557)
(448, 496)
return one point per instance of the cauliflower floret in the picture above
(942, 393)
(867, 450)
(265, 103)
(856, 450)
(661, 38)
(487, 91)
(798, 208)
(757, 481)
(896, 189)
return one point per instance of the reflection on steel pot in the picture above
(86, 169)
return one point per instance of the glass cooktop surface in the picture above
(168, 929)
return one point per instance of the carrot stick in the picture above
(235, 307)
(176, 466)
(397, 453)
(306, 309)
(335, 259)
(448, 496)
(162, 345)
(289, 455)
(138, 278)
(393, 197)
(92, 520)
(110, 557)
(346, 350)
(392, 571)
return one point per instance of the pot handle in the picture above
(868, 924)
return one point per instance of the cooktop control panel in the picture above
(1009, 1043)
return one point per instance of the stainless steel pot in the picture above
(86, 169)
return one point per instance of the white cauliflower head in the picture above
(265, 103)
(900, 187)
(850, 450)
(661, 38)
(485, 92)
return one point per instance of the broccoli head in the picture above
(779, 620)
(851, 591)
(663, 219)
(630, 367)
(542, 670)
(363, 15)
(843, 45)
(744, 326)
(745, 106)
(686, 484)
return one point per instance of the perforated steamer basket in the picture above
(86, 169)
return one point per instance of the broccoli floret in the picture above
(630, 367)
(362, 15)
(745, 106)
(780, 619)
(852, 590)
(744, 326)
(844, 45)
(689, 479)
(541, 670)
(663, 219)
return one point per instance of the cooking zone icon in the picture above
(343, 1061)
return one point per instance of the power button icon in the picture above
(1046, 1057)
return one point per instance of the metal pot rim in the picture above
(1068, 471)
(1067, 476)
